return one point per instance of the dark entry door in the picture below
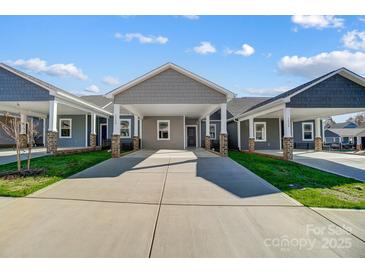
(103, 133)
(191, 136)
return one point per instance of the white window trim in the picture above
(129, 128)
(254, 131)
(215, 131)
(60, 134)
(168, 130)
(312, 125)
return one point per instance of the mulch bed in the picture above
(10, 175)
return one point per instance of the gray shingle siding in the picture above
(15, 88)
(334, 92)
(170, 87)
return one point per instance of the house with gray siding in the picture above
(173, 108)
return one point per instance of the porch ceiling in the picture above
(189, 110)
(301, 114)
(38, 108)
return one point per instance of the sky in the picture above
(249, 55)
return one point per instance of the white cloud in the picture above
(93, 89)
(191, 17)
(40, 66)
(246, 50)
(205, 48)
(322, 63)
(318, 21)
(110, 80)
(264, 91)
(143, 39)
(354, 39)
(361, 19)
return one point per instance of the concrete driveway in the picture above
(170, 204)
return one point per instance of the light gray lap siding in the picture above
(170, 87)
(15, 88)
(78, 131)
(334, 92)
(149, 133)
(298, 135)
(272, 134)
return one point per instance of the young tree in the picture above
(32, 133)
(360, 119)
(11, 127)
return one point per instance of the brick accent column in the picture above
(93, 140)
(251, 144)
(135, 143)
(317, 144)
(358, 147)
(223, 144)
(288, 146)
(207, 143)
(116, 146)
(52, 141)
(23, 140)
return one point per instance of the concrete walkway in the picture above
(170, 203)
(9, 155)
(344, 164)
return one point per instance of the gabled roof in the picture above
(55, 91)
(239, 105)
(103, 102)
(346, 125)
(294, 91)
(163, 68)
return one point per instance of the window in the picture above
(260, 131)
(212, 131)
(307, 131)
(125, 128)
(163, 129)
(65, 128)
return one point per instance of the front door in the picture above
(191, 133)
(103, 133)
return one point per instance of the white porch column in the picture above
(116, 119)
(207, 132)
(23, 123)
(116, 132)
(318, 127)
(239, 134)
(44, 131)
(135, 131)
(287, 123)
(251, 136)
(93, 124)
(140, 132)
(288, 143)
(358, 143)
(52, 138)
(224, 118)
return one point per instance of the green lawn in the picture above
(309, 186)
(57, 168)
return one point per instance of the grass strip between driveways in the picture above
(309, 186)
(57, 168)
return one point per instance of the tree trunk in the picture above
(17, 144)
(29, 156)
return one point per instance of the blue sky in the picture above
(249, 55)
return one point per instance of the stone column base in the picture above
(135, 143)
(251, 144)
(223, 144)
(116, 146)
(52, 141)
(288, 146)
(207, 143)
(23, 140)
(317, 144)
(93, 140)
(359, 147)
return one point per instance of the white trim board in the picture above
(168, 130)
(312, 131)
(60, 128)
(129, 127)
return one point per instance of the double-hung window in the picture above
(65, 128)
(213, 131)
(307, 131)
(260, 131)
(125, 128)
(163, 129)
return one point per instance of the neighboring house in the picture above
(173, 108)
(345, 135)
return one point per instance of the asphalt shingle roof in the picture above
(239, 105)
(103, 102)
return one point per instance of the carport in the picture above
(273, 124)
